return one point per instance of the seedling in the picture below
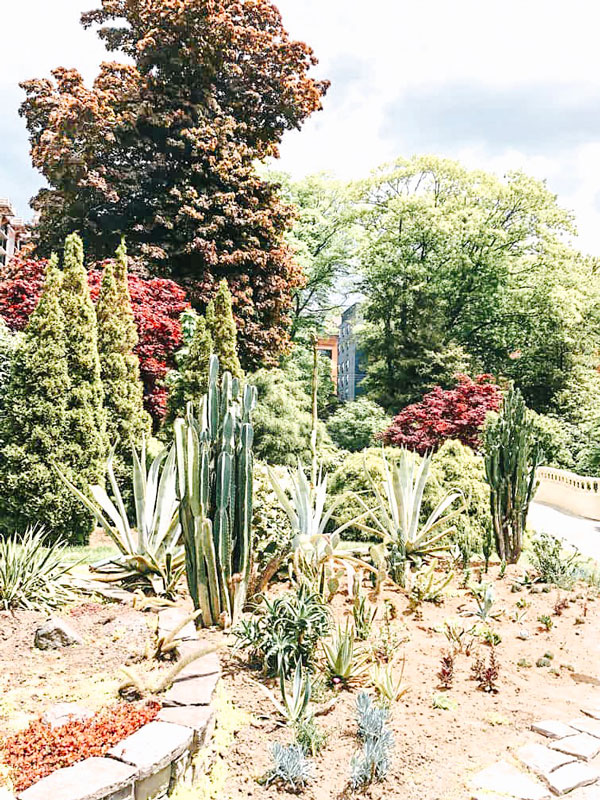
(446, 673)
(486, 674)
(546, 622)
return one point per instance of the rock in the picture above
(55, 633)
(192, 691)
(581, 677)
(61, 713)
(153, 748)
(523, 634)
(572, 776)
(6, 795)
(582, 746)
(553, 729)
(542, 760)
(507, 779)
(198, 718)
(586, 725)
(170, 618)
(594, 713)
(92, 779)
(200, 667)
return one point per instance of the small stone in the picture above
(582, 677)
(582, 746)
(542, 760)
(192, 691)
(92, 779)
(153, 747)
(169, 619)
(55, 633)
(586, 725)
(513, 783)
(205, 665)
(572, 776)
(62, 713)
(553, 729)
(198, 718)
(523, 634)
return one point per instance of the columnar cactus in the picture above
(214, 477)
(511, 458)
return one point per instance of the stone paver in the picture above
(61, 713)
(92, 779)
(205, 665)
(6, 795)
(586, 725)
(198, 718)
(594, 713)
(572, 776)
(541, 759)
(582, 746)
(553, 729)
(514, 784)
(153, 747)
(585, 793)
(170, 618)
(192, 691)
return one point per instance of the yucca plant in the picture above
(396, 516)
(388, 684)
(343, 663)
(364, 614)
(293, 707)
(150, 551)
(33, 574)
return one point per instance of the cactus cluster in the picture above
(214, 483)
(512, 455)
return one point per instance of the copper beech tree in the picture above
(163, 150)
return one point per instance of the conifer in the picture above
(222, 328)
(191, 381)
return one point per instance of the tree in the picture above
(443, 414)
(355, 425)
(126, 421)
(298, 366)
(189, 383)
(163, 150)
(222, 329)
(35, 427)
(86, 419)
(462, 264)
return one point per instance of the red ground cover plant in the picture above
(157, 304)
(442, 414)
(39, 750)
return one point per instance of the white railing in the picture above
(577, 494)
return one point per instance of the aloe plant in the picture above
(214, 484)
(150, 549)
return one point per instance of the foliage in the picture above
(33, 572)
(460, 265)
(390, 687)
(222, 328)
(373, 762)
(214, 485)
(150, 551)
(40, 749)
(208, 90)
(554, 563)
(443, 414)
(559, 441)
(294, 705)
(427, 587)
(285, 631)
(486, 673)
(343, 663)
(8, 346)
(290, 766)
(363, 614)
(299, 367)
(189, 383)
(485, 598)
(35, 427)
(446, 673)
(354, 426)
(511, 457)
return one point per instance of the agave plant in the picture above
(396, 517)
(33, 574)
(294, 704)
(342, 661)
(150, 551)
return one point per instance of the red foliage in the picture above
(442, 414)
(39, 750)
(157, 304)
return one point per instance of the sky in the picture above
(499, 85)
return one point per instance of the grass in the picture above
(84, 554)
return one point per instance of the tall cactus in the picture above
(214, 478)
(511, 458)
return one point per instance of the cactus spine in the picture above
(214, 477)
(511, 458)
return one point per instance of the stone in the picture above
(586, 725)
(6, 795)
(192, 691)
(170, 618)
(582, 677)
(153, 747)
(205, 665)
(582, 746)
(92, 779)
(55, 633)
(199, 719)
(61, 713)
(542, 760)
(594, 713)
(553, 729)
(513, 783)
(572, 776)
(585, 793)
(154, 786)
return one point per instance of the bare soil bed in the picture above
(436, 750)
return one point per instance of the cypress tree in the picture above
(222, 328)
(35, 426)
(126, 419)
(192, 377)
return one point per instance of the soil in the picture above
(436, 750)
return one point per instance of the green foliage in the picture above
(512, 455)
(388, 684)
(214, 485)
(36, 424)
(363, 614)
(427, 587)
(559, 441)
(33, 572)
(554, 563)
(285, 631)
(126, 420)
(373, 762)
(8, 346)
(355, 425)
(290, 766)
(221, 326)
(343, 663)
(299, 367)
(189, 383)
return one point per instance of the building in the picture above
(351, 372)
(328, 346)
(13, 233)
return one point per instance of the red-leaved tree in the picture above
(442, 414)
(157, 304)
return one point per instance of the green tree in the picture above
(126, 419)
(298, 366)
(35, 428)
(190, 382)
(355, 425)
(86, 419)
(222, 328)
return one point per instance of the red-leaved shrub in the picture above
(442, 414)
(39, 750)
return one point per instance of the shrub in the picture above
(271, 528)
(290, 766)
(354, 425)
(9, 343)
(558, 440)
(554, 564)
(373, 762)
(442, 414)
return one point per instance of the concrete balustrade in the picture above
(575, 494)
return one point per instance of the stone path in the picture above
(565, 760)
(584, 534)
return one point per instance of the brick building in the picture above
(13, 233)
